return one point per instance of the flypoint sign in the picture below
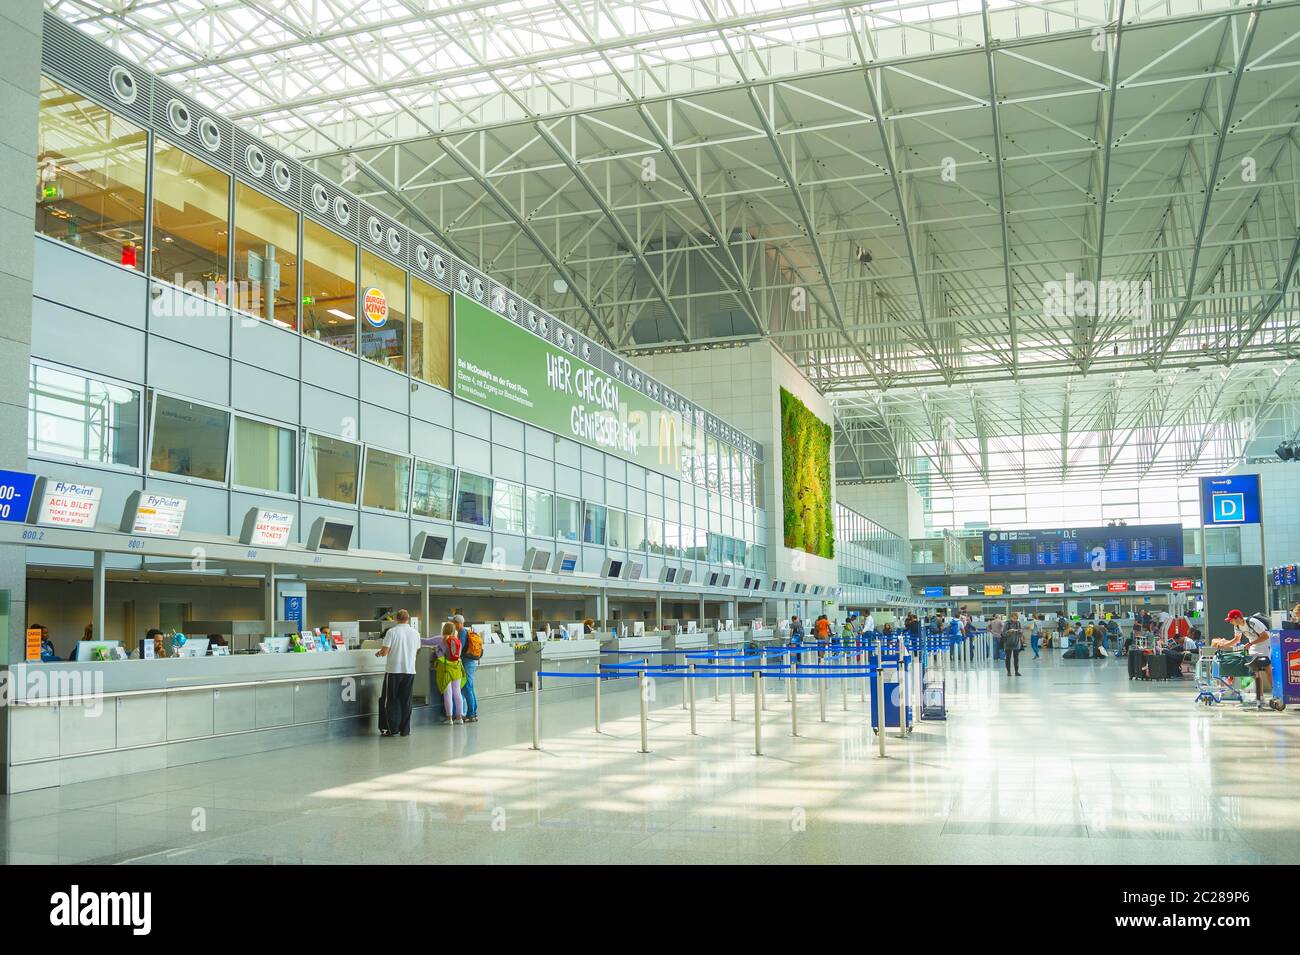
(508, 369)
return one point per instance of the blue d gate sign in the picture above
(1232, 499)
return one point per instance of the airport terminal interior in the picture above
(650, 431)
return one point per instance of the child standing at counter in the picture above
(449, 674)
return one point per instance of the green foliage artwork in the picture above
(806, 479)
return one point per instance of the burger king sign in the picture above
(374, 306)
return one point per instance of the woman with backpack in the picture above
(449, 675)
(1013, 641)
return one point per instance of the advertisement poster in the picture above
(1019, 590)
(509, 369)
(1053, 588)
(959, 590)
(1182, 584)
(1145, 586)
(994, 590)
(33, 644)
(1117, 586)
(806, 479)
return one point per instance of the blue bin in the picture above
(893, 698)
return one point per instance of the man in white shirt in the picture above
(1252, 634)
(869, 624)
(401, 643)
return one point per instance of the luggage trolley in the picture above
(1215, 672)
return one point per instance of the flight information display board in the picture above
(1084, 548)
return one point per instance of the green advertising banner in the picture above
(509, 369)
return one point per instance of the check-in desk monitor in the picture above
(329, 534)
(470, 551)
(536, 560)
(86, 649)
(194, 647)
(429, 546)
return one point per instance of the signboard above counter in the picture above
(157, 515)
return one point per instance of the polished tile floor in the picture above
(1071, 763)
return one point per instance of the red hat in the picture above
(1234, 615)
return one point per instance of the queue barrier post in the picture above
(690, 670)
(645, 716)
(731, 686)
(758, 712)
(537, 711)
(794, 715)
(596, 697)
(880, 710)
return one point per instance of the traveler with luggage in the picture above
(996, 626)
(1035, 632)
(471, 652)
(1252, 635)
(1013, 641)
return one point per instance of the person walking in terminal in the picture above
(471, 651)
(449, 675)
(1252, 634)
(996, 627)
(1013, 641)
(1035, 632)
(401, 643)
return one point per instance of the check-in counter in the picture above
(731, 639)
(579, 656)
(627, 649)
(495, 676)
(71, 721)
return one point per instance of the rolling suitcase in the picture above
(1135, 659)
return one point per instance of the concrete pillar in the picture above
(98, 584)
(528, 607)
(268, 600)
(659, 610)
(20, 67)
(426, 608)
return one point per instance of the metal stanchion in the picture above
(821, 698)
(717, 683)
(597, 698)
(786, 665)
(880, 710)
(537, 711)
(645, 716)
(690, 669)
(903, 680)
(685, 701)
(758, 713)
(844, 693)
(794, 715)
(731, 686)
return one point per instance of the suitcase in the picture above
(1135, 659)
(1152, 666)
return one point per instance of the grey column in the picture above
(659, 610)
(98, 583)
(701, 618)
(426, 607)
(20, 68)
(268, 600)
(528, 607)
